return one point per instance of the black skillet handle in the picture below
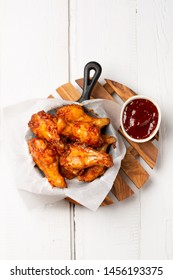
(89, 83)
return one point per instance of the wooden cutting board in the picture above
(130, 165)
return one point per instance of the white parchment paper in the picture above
(30, 179)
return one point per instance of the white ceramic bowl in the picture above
(153, 133)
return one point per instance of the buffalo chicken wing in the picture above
(69, 144)
(91, 173)
(44, 127)
(75, 112)
(78, 157)
(79, 131)
(47, 160)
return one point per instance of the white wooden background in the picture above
(46, 43)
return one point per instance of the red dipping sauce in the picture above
(140, 118)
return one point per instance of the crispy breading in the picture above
(75, 112)
(70, 144)
(79, 131)
(47, 160)
(44, 127)
(79, 157)
(91, 173)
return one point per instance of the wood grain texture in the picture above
(121, 189)
(107, 201)
(134, 170)
(121, 90)
(98, 91)
(148, 151)
(108, 88)
(68, 92)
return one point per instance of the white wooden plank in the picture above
(34, 48)
(110, 233)
(105, 31)
(155, 68)
(34, 61)
(32, 227)
(133, 42)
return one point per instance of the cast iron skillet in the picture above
(89, 82)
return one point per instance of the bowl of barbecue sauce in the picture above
(140, 118)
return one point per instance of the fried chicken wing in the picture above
(44, 127)
(75, 112)
(91, 173)
(79, 131)
(69, 144)
(79, 157)
(47, 160)
(68, 174)
(107, 140)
